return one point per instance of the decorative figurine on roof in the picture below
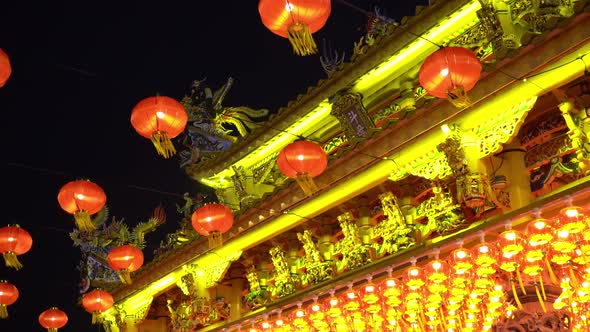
(185, 232)
(330, 59)
(96, 244)
(317, 269)
(212, 127)
(378, 26)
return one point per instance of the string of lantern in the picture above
(470, 290)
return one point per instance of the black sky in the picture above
(79, 67)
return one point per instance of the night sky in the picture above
(78, 70)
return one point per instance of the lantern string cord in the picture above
(70, 175)
(354, 7)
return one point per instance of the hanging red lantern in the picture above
(5, 68)
(14, 241)
(124, 260)
(303, 160)
(8, 295)
(159, 119)
(449, 73)
(212, 220)
(295, 20)
(82, 198)
(53, 319)
(573, 219)
(97, 302)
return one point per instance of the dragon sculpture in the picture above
(95, 245)
(211, 126)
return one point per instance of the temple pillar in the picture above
(511, 159)
(131, 324)
(235, 298)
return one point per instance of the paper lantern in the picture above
(82, 198)
(160, 119)
(53, 319)
(14, 241)
(97, 302)
(5, 68)
(303, 160)
(8, 295)
(124, 260)
(573, 219)
(449, 73)
(212, 220)
(295, 20)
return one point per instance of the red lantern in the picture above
(573, 219)
(14, 241)
(5, 69)
(8, 295)
(212, 220)
(295, 20)
(449, 73)
(53, 319)
(82, 198)
(159, 119)
(303, 160)
(124, 260)
(97, 302)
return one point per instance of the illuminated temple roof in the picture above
(403, 151)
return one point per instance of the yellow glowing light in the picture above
(208, 219)
(160, 114)
(511, 236)
(300, 157)
(80, 197)
(289, 7)
(444, 72)
(11, 239)
(315, 307)
(572, 213)
(421, 47)
(539, 224)
(563, 234)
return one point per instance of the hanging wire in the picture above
(72, 176)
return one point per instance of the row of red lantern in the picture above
(467, 290)
(51, 319)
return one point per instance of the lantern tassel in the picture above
(541, 302)
(301, 39)
(520, 283)
(575, 282)
(215, 239)
(3, 311)
(542, 287)
(550, 270)
(12, 261)
(516, 299)
(307, 184)
(163, 144)
(96, 318)
(125, 277)
(83, 221)
(443, 321)
(458, 97)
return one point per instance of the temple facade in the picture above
(433, 214)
